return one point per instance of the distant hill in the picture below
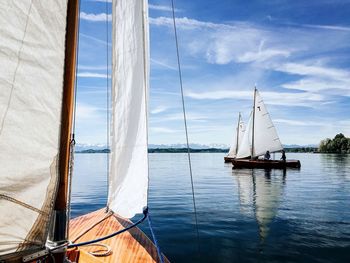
(194, 148)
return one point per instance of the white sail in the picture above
(32, 44)
(265, 134)
(245, 148)
(128, 178)
(237, 138)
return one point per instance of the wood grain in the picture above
(131, 246)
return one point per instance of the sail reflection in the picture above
(260, 193)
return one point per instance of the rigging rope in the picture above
(185, 121)
(145, 214)
(107, 100)
(160, 256)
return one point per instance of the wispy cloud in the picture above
(163, 130)
(92, 75)
(299, 123)
(86, 67)
(274, 98)
(163, 64)
(162, 8)
(97, 40)
(95, 17)
(328, 27)
(159, 109)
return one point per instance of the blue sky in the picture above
(296, 52)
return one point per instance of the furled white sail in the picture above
(265, 134)
(237, 138)
(245, 148)
(128, 178)
(32, 44)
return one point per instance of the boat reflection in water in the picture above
(260, 193)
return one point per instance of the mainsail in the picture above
(128, 178)
(265, 134)
(238, 138)
(260, 134)
(32, 48)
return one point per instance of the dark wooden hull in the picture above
(228, 159)
(265, 164)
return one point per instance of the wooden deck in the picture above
(131, 246)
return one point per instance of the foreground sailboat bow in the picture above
(36, 140)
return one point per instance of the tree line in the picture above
(340, 144)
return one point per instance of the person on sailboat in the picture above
(267, 155)
(283, 158)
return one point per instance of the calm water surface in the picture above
(243, 215)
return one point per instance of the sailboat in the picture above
(240, 129)
(259, 137)
(38, 70)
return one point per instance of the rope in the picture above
(145, 214)
(185, 121)
(160, 256)
(98, 253)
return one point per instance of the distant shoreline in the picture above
(206, 150)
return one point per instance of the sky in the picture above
(297, 53)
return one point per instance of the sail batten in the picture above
(128, 178)
(32, 41)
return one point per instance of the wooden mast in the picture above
(239, 120)
(58, 233)
(251, 155)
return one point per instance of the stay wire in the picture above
(185, 121)
(107, 100)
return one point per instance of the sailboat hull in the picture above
(228, 159)
(131, 246)
(265, 164)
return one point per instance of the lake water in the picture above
(243, 215)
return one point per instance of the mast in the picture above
(239, 121)
(251, 156)
(58, 232)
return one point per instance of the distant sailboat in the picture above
(38, 65)
(240, 129)
(259, 137)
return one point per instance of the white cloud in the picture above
(328, 27)
(299, 123)
(162, 130)
(311, 70)
(159, 109)
(262, 55)
(92, 75)
(95, 39)
(95, 17)
(163, 64)
(162, 8)
(187, 23)
(87, 112)
(87, 67)
(274, 98)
